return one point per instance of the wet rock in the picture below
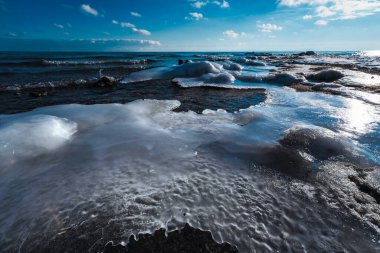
(317, 141)
(181, 62)
(255, 63)
(106, 81)
(232, 66)
(186, 240)
(302, 87)
(38, 93)
(346, 186)
(282, 78)
(323, 86)
(308, 53)
(326, 76)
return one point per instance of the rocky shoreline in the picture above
(185, 240)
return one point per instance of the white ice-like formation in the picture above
(33, 135)
(140, 166)
(195, 74)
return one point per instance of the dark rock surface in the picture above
(186, 240)
(196, 99)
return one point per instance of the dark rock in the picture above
(320, 142)
(106, 81)
(180, 62)
(186, 240)
(326, 76)
(38, 93)
(309, 53)
(323, 86)
(282, 78)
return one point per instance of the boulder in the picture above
(326, 76)
(282, 78)
(105, 81)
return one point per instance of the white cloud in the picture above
(268, 28)
(149, 42)
(232, 34)
(59, 26)
(307, 17)
(323, 12)
(321, 22)
(133, 27)
(88, 9)
(223, 4)
(199, 4)
(136, 14)
(126, 24)
(338, 9)
(141, 31)
(195, 15)
(294, 3)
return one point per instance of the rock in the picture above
(105, 81)
(319, 142)
(282, 78)
(38, 93)
(323, 86)
(186, 240)
(255, 63)
(309, 53)
(326, 76)
(232, 66)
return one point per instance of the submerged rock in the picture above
(186, 240)
(326, 76)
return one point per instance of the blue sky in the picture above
(189, 25)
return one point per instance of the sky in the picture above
(189, 25)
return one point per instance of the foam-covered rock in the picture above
(282, 78)
(326, 76)
(206, 80)
(317, 141)
(232, 66)
(33, 135)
